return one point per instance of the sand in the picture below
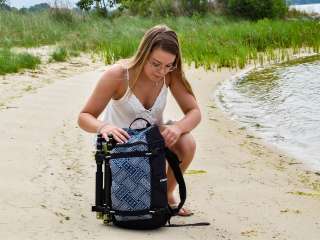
(244, 187)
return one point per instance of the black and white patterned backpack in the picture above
(131, 181)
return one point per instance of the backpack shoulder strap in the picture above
(174, 162)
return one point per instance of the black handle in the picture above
(137, 119)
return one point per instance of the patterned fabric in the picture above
(131, 187)
(135, 147)
(131, 176)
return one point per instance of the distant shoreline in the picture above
(309, 8)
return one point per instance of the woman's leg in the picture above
(185, 149)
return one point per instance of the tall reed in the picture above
(210, 41)
(11, 62)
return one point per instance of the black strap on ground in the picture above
(174, 162)
(199, 224)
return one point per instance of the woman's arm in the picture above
(108, 86)
(190, 108)
(188, 105)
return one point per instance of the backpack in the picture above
(131, 181)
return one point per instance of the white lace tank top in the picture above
(123, 111)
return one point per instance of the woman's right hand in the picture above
(120, 135)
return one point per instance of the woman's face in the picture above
(159, 64)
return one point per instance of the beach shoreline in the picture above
(304, 165)
(275, 164)
(243, 187)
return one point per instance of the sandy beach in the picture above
(245, 188)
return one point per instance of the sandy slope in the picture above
(47, 172)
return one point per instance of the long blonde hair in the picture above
(160, 36)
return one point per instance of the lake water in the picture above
(307, 7)
(281, 104)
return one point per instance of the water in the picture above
(309, 8)
(281, 104)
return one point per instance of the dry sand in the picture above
(245, 188)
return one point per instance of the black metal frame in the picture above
(103, 178)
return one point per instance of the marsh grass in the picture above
(212, 41)
(59, 55)
(12, 63)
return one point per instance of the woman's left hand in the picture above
(171, 134)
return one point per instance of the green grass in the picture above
(59, 55)
(36, 29)
(12, 63)
(209, 41)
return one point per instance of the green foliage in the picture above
(59, 55)
(137, 7)
(16, 30)
(39, 7)
(85, 4)
(64, 15)
(4, 5)
(165, 7)
(101, 6)
(209, 40)
(190, 7)
(256, 9)
(11, 62)
(3, 2)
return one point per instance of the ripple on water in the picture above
(282, 104)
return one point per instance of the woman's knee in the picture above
(186, 144)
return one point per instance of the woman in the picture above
(138, 88)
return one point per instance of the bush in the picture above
(12, 62)
(256, 9)
(64, 15)
(60, 55)
(141, 8)
(165, 7)
(191, 7)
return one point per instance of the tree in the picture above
(256, 9)
(39, 7)
(165, 7)
(101, 6)
(85, 4)
(4, 5)
(141, 8)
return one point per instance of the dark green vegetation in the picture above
(60, 55)
(251, 9)
(11, 62)
(256, 9)
(207, 39)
